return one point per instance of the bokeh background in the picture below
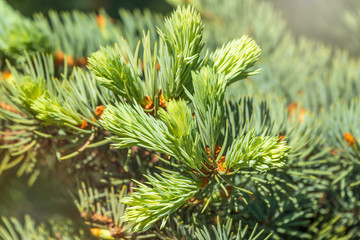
(316, 19)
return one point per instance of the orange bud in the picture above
(99, 110)
(101, 21)
(149, 105)
(59, 57)
(281, 137)
(349, 138)
(84, 124)
(217, 150)
(220, 164)
(193, 201)
(70, 61)
(207, 150)
(95, 232)
(162, 101)
(302, 115)
(6, 75)
(293, 108)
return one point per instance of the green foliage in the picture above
(168, 192)
(13, 229)
(224, 232)
(19, 33)
(133, 127)
(111, 70)
(163, 119)
(208, 98)
(258, 152)
(196, 145)
(52, 111)
(180, 45)
(234, 58)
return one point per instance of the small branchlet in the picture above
(258, 152)
(168, 192)
(236, 58)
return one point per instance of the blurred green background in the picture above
(317, 19)
(27, 7)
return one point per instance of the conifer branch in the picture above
(180, 47)
(236, 58)
(168, 193)
(259, 152)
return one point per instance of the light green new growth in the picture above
(258, 152)
(179, 119)
(168, 192)
(28, 90)
(208, 100)
(180, 47)
(133, 127)
(235, 58)
(52, 111)
(166, 123)
(182, 129)
(112, 69)
(18, 34)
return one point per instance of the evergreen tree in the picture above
(160, 137)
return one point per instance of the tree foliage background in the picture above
(307, 86)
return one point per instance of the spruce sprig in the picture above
(184, 117)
